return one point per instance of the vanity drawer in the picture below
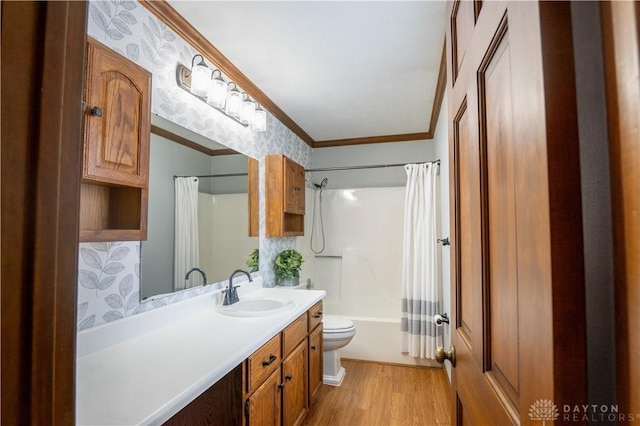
(315, 315)
(263, 362)
(295, 333)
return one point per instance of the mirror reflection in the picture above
(222, 209)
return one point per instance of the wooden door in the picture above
(117, 120)
(621, 29)
(517, 266)
(315, 362)
(294, 374)
(293, 187)
(263, 407)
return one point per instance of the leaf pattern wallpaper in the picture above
(108, 273)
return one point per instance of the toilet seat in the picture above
(335, 325)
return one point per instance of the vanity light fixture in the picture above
(210, 87)
(217, 95)
(199, 76)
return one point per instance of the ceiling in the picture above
(339, 69)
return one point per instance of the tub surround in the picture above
(145, 368)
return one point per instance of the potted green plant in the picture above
(253, 261)
(287, 267)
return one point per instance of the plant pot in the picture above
(292, 282)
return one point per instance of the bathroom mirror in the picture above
(222, 208)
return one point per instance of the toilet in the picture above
(337, 332)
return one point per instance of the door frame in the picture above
(43, 49)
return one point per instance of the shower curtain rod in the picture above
(374, 166)
(213, 176)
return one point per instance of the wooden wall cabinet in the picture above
(284, 191)
(283, 376)
(253, 191)
(115, 172)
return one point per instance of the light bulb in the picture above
(217, 95)
(234, 103)
(247, 111)
(200, 79)
(259, 122)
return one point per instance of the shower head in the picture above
(321, 185)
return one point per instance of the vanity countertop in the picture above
(145, 368)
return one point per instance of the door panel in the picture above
(496, 124)
(519, 293)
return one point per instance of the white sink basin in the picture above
(257, 307)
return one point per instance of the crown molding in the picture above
(374, 139)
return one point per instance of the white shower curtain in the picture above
(186, 251)
(420, 262)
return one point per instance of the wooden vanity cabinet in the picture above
(295, 403)
(314, 318)
(285, 397)
(263, 407)
(115, 172)
(315, 362)
(221, 404)
(285, 199)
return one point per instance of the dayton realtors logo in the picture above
(545, 410)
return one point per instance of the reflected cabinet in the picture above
(285, 193)
(115, 172)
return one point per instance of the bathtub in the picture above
(379, 339)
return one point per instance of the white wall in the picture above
(224, 241)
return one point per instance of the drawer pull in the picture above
(318, 315)
(313, 348)
(288, 377)
(272, 358)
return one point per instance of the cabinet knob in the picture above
(318, 315)
(288, 377)
(96, 111)
(281, 386)
(297, 188)
(313, 348)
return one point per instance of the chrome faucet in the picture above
(230, 293)
(204, 276)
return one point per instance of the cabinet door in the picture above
(117, 119)
(263, 407)
(293, 187)
(315, 361)
(294, 373)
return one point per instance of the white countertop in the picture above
(145, 368)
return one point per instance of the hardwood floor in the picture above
(383, 395)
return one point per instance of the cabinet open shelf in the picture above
(112, 213)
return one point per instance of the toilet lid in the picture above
(336, 324)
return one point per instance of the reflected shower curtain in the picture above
(420, 262)
(186, 251)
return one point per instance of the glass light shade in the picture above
(217, 92)
(259, 122)
(247, 111)
(234, 103)
(200, 76)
